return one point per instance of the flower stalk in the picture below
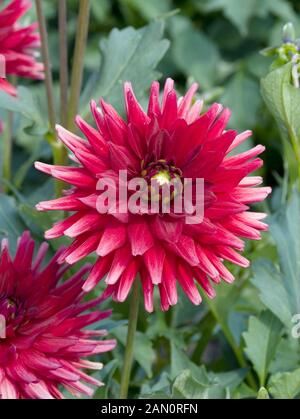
(47, 63)
(60, 156)
(132, 324)
(77, 71)
(7, 147)
(63, 59)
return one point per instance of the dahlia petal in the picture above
(233, 256)
(90, 221)
(120, 158)
(74, 176)
(243, 157)
(170, 231)
(140, 237)
(164, 301)
(169, 88)
(66, 203)
(117, 134)
(185, 279)
(121, 259)
(72, 141)
(94, 137)
(83, 246)
(19, 372)
(100, 269)
(112, 239)
(204, 283)
(135, 113)
(38, 391)
(169, 113)
(241, 229)
(251, 196)
(240, 139)
(38, 361)
(223, 271)
(169, 280)
(251, 181)
(219, 125)
(154, 259)
(110, 111)
(40, 256)
(7, 390)
(94, 164)
(148, 289)
(195, 111)
(60, 227)
(7, 87)
(186, 101)
(126, 281)
(186, 249)
(135, 141)
(205, 264)
(154, 106)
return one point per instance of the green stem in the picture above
(236, 349)
(77, 65)
(7, 147)
(296, 148)
(63, 58)
(132, 323)
(60, 158)
(47, 63)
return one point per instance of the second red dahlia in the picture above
(18, 45)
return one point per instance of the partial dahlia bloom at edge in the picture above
(18, 44)
(43, 340)
(173, 139)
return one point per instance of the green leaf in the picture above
(11, 225)
(287, 357)
(187, 387)
(242, 96)
(160, 390)
(127, 54)
(268, 281)
(203, 385)
(105, 376)
(180, 361)
(236, 11)
(193, 52)
(26, 105)
(283, 100)
(143, 351)
(240, 12)
(280, 8)
(149, 9)
(285, 385)
(262, 339)
(194, 381)
(280, 287)
(263, 394)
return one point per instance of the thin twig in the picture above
(63, 55)
(47, 63)
(77, 69)
(7, 147)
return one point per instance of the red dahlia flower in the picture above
(43, 344)
(171, 140)
(18, 44)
